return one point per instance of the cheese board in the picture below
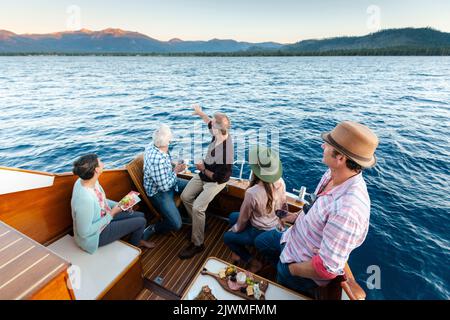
(240, 283)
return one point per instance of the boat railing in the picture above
(241, 172)
(302, 194)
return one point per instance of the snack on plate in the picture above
(230, 271)
(233, 285)
(129, 201)
(222, 274)
(250, 281)
(241, 278)
(250, 291)
(256, 291)
(263, 285)
(242, 282)
(205, 294)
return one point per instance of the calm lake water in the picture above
(53, 109)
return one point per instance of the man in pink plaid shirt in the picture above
(316, 248)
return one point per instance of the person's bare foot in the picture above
(235, 258)
(255, 266)
(147, 244)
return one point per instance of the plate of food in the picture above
(129, 201)
(240, 282)
(205, 294)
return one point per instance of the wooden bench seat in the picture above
(112, 272)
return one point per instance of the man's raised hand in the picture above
(197, 109)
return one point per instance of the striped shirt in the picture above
(336, 224)
(158, 173)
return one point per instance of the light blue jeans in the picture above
(164, 203)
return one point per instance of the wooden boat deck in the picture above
(26, 266)
(176, 274)
(148, 295)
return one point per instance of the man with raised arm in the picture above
(215, 171)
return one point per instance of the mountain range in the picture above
(112, 41)
(116, 41)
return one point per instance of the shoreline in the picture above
(436, 52)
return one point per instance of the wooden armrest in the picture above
(185, 176)
(353, 290)
(351, 287)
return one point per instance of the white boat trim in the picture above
(15, 181)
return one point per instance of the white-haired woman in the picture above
(161, 182)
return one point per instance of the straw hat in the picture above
(265, 164)
(355, 141)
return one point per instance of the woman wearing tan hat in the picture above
(316, 248)
(265, 195)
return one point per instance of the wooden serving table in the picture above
(274, 291)
(29, 270)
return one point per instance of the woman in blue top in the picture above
(98, 221)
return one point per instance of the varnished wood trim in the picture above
(58, 237)
(55, 290)
(128, 287)
(160, 291)
(67, 174)
(39, 283)
(44, 214)
(144, 294)
(28, 266)
(351, 287)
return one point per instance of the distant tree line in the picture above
(393, 51)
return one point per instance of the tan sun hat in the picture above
(354, 140)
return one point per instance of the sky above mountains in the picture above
(284, 21)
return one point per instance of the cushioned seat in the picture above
(93, 275)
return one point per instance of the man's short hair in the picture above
(352, 165)
(223, 122)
